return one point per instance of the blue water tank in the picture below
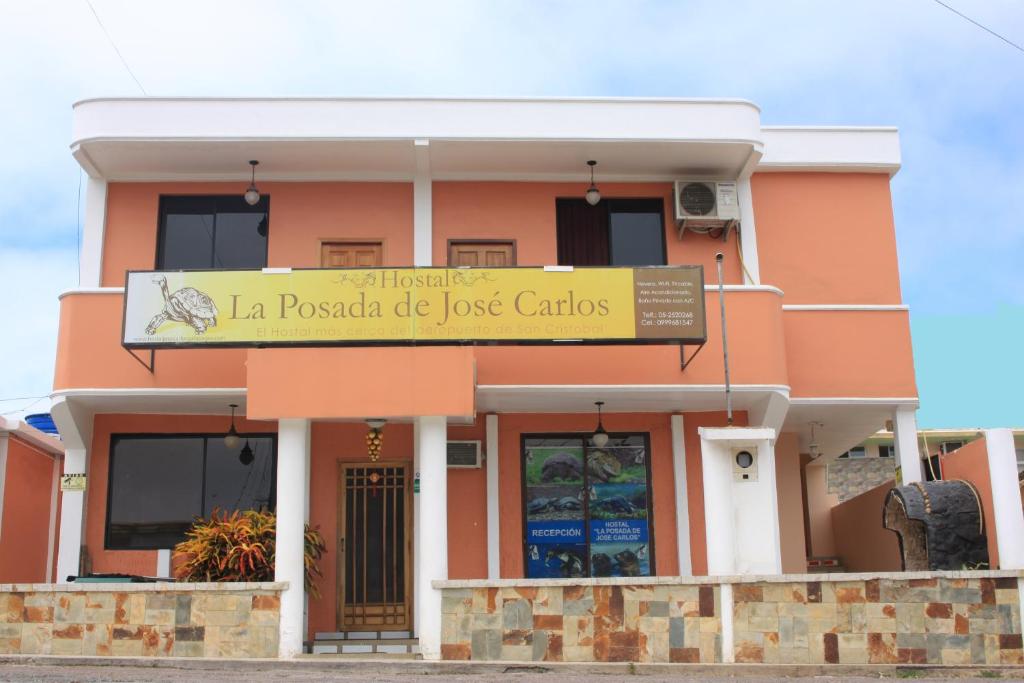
(43, 422)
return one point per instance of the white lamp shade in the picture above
(232, 441)
(600, 439)
(252, 196)
(593, 196)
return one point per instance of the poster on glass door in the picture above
(556, 543)
(618, 509)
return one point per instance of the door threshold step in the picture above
(368, 641)
(364, 635)
(365, 648)
(361, 655)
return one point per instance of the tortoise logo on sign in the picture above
(186, 305)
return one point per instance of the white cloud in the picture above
(955, 91)
(31, 281)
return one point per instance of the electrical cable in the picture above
(24, 407)
(114, 45)
(981, 26)
(739, 252)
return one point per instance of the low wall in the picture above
(141, 619)
(940, 618)
(892, 618)
(862, 543)
(581, 622)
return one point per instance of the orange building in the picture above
(30, 466)
(489, 465)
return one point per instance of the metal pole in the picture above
(725, 339)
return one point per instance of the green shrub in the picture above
(240, 547)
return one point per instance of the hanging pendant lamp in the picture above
(231, 439)
(252, 195)
(593, 195)
(600, 436)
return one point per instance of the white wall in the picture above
(742, 517)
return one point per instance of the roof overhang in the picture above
(839, 423)
(633, 139)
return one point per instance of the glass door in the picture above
(587, 510)
(375, 570)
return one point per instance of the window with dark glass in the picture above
(856, 452)
(212, 232)
(616, 232)
(587, 510)
(160, 483)
(885, 451)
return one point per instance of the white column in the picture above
(493, 493)
(423, 208)
(432, 435)
(719, 524)
(416, 535)
(292, 450)
(748, 233)
(728, 640)
(72, 516)
(908, 455)
(309, 471)
(75, 427)
(741, 515)
(1006, 502)
(51, 534)
(93, 227)
(682, 498)
(163, 562)
(4, 441)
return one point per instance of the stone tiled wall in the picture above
(850, 477)
(890, 618)
(583, 623)
(150, 620)
(879, 621)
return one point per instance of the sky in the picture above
(955, 91)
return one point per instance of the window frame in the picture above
(848, 455)
(454, 242)
(161, 226)
(115, 438)
(584, 438)
(370, 241)
(637, 203)
(634, 205)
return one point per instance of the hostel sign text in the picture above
(325, 307)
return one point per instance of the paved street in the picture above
(42, 673)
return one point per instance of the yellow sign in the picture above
(72, 482)
(276, 307)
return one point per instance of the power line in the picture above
(22, 398)
(114, 45)
(24, 407)
(981, 26)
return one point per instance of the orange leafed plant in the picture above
(239, 546)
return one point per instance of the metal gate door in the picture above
(374, 508)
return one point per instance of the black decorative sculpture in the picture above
(940, 525)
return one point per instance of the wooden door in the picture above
(375, 547)
(491, 254)
(351, 254)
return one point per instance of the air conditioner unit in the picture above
(706, 207)
(464, 454)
